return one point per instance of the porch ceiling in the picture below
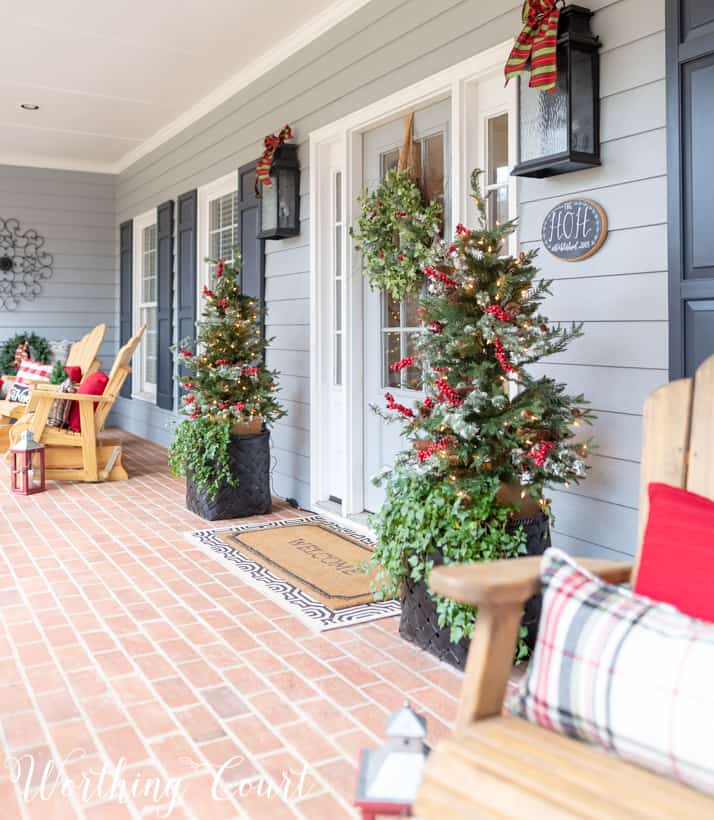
(114, 79)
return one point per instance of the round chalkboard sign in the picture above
(575, 230)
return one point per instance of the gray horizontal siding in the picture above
(144, 419)
(620, 293)
(75, 213)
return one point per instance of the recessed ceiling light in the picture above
(29, 106)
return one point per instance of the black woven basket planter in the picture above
(420, 624)
(249, 459)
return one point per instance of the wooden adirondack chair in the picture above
(81, 456)
(502, 766)
(82, 354)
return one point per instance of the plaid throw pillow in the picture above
(60, 409)
(29, 372)
(623, 672)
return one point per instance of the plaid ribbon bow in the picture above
(537, 43)
(272, 142)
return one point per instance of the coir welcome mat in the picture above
(309, 565)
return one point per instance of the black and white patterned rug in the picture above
(292, 598)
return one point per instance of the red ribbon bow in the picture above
(272, 142)
(537, 43)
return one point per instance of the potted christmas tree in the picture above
(223, 448)
(485, 440)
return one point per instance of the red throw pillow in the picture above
(74, 373)
(93, 385)
(677, 560)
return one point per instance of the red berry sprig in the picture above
(402, 363)
(502, 357)
(540, 453)
(407, 412)
(445, 280)
(447, 393)
(434, 447)
(501, 314)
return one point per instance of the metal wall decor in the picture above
(24, 265)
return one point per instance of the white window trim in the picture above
(455, 82)
(139, 389)
(206, 193)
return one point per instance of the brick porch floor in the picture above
(119, 638)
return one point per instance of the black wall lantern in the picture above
(560, 131)
(280, 201)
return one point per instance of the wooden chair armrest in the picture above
(81, 397)
(499, 589)
(514, 581)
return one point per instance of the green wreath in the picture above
(39, 351)
(395, 235)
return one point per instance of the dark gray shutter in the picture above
(252, 248)
(186, 265)
(165, 275)
(690, 179)
(126, 307)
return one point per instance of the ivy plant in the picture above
(200, 449)
(423, 523)
(395, 234)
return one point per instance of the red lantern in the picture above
(27, 466)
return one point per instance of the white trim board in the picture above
(454, 83)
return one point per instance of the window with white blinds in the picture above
(145, 305)
(222, 227)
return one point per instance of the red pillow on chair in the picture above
(74, 373)
(93, 385)
(677, 560)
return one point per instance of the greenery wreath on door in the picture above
(395, 234)
(39, 351)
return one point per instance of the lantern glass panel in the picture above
(583, 101)
(544, 116)
(269, 207)
(34, 477)
(17, 471)
(286, 195)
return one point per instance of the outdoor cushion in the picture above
(61, 408)
(19, 393)
(677, 558)
(621, 671)
(93, 385)
(28, 373)
(59, 350)
(74, 374)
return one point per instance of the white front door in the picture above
(390, 327)
(331, 250)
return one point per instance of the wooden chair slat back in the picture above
(678, 440)
(700, 475)
(120, 370)
(84, 352)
